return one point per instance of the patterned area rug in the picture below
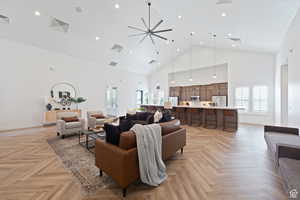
(80, 162)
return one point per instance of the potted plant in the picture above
(77, 101)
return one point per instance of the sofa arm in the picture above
(61, 126)
(172, 142)
(288, 151)
(280, 129)
(121, 165)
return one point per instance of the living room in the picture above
(216, 81)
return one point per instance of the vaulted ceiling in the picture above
(96, 25)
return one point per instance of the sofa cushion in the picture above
(290, 171)
(169, 127)
(127, 140)
(71, 125)
(70, 119)
(112, 134)
(274, 138)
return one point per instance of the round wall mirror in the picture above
(62, 93)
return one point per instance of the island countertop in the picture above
(201, 107)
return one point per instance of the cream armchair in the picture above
(92, 121)
(67, 128)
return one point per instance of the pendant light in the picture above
(215, 56)
(191, 59)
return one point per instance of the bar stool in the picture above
(194, 116)
(181, 115)
(229, 120)
(210, 118)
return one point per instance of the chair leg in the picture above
(101, 174)
(181, 150)
(63, 136)
(124, 192)
(58, 133)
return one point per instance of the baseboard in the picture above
(20, 129)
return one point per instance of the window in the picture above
(242, 98)
(260, 98)
(139, 97)
(112, 100)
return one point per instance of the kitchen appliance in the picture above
(220, 101)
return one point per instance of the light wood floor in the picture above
(215, 165)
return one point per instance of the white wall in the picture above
(25, 80)
(245, 68)
(290, 54)
(200, 76)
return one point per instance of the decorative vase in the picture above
(49, 106)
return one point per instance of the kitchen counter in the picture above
(216, 117)
(196, 106)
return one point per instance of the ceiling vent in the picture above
(59, 25)
(219, 2)
(113, 63)
(235, 39)
(117, 48)
(4, 19)
(152, 62)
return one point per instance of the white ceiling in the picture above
(261, 24)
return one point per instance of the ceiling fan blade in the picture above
(138, 34)
(161, 21)
(143, 38)
(135, 28)
(143, 20)
(161, 31)
(159, 36)
(152, 40)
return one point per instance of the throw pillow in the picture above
(167, 116)
(125, 125)
(131, 117)
(112, 134)
(142, 116)
(157, 116)
(98, 116)
(70, 119)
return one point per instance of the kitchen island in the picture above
(225, 118)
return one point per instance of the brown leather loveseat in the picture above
(121, 162)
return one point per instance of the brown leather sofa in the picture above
(121, 162)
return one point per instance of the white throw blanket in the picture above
(149, 142)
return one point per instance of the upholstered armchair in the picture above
(93, 121)
(67, 128)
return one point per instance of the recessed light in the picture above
(193, 33)
(190, 79)
(37, 13)
(172, 82)
(229, 34)
(179, 17)
(177, 49)
(223, 14)
(97, 38)
(117, 5)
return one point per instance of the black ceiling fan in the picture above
(149, 32)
